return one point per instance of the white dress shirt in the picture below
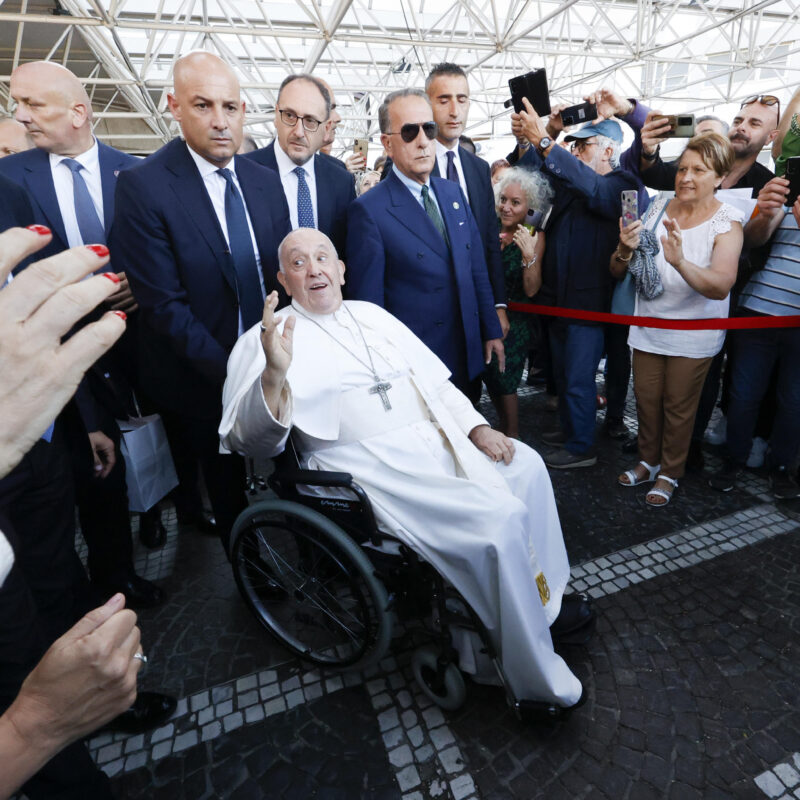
(215, 186)
(441, 161)
(416, 190)
(286, 169)
(62, 180)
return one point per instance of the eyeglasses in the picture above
(410, 131)
(290, 118)
(765, 100)
(580, 145)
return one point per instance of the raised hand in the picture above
(609, 104)
(654, 131)
(277, 348)
(629, 235)
(672, 242)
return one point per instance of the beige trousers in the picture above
(667, 392)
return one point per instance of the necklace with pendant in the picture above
(381, 387)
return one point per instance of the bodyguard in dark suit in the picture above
(198, 230)
(70, 178)
(16, 210)
(448, 91)
(414, 247)
(318, 191)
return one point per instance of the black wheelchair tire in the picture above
(313, 530)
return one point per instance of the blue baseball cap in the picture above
(607, 127)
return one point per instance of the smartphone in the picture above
(630, 207)
(681, 126)
(361, 146)
(537, 220)
(577, 115)
(532, 85)
(792, 174)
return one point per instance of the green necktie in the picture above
(433, 211)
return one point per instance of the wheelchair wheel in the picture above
(310, 585)
(447, 692)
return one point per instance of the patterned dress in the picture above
(519, 334)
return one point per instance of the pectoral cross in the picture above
(382, 390)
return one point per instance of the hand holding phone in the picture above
(630, 207)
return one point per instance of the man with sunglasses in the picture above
(318, 191)
(414, 248)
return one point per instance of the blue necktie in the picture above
(305, 211)
(452, 174)
(248, 287)
(92, 231)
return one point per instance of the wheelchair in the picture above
(323, 580)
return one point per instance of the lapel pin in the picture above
(116, 173)
(456, 206)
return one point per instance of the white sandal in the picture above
(663, 493)
(634, 480)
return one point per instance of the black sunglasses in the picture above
(410, 130)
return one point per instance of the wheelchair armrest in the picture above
(315, 477)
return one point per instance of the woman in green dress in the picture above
(517, 193)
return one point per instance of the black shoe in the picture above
(725, 479)
(556, 438)
(576, 615)
(148, 711)
(695, 460)
(139, 593)
(783, 485)
(152, 532)
(616, 428)
(201, 522)
(563, 459)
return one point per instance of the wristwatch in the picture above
(544, 143)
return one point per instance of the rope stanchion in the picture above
(717, 323)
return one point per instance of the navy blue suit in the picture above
(31, 170)
(182, 273)
(478, 177)
(16, 210)
(335, 191)
(398, 259)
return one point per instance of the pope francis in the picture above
(361, 394)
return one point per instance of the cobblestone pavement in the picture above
(693, 676)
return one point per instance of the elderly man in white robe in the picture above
(362, 394)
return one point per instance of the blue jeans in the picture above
(756, 353)
(576, 351)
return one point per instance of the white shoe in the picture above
(719, 433)
(757, 453)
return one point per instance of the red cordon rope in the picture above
(719, 323)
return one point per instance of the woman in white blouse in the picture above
(699, 240)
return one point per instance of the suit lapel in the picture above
(109, 169)
(191, 193)
(448, 195)
(39, 181)
(413, 216)
(324, 204)
(471, 177)
(257, 203)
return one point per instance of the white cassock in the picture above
(492, 530)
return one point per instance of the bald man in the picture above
(198, 228)
(70, 178)
(13, 138)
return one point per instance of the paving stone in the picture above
(247, 699)
(134, 743)
(267, 676)
(295, 698)
(423, 754)
(407, 778)
(770, 784)
(212, 730)
(462, 787)
(392, 738)
(188, 739)
(109, 753)
(199, 701)
(400, 756)
(113, 767)
(254, 714)
(416, 736)
(441, 737)
(162, 749)
(271, 690)
(136, 760)
(219, 694)
(233, 721)
(275, 706)
(164, 732)
(388, 719)
(224, 708)
(205, 716)
(433, 717)
(788, 775)
(451, 760)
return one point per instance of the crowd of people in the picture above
(221, 265)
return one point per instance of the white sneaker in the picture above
(757, 453)
(719, 433)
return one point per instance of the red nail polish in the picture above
(100, 250)
(42, 230)
(122, 315)
(112, 276)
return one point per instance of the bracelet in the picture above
(651, 156)
(619, 257)
(529, 264)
